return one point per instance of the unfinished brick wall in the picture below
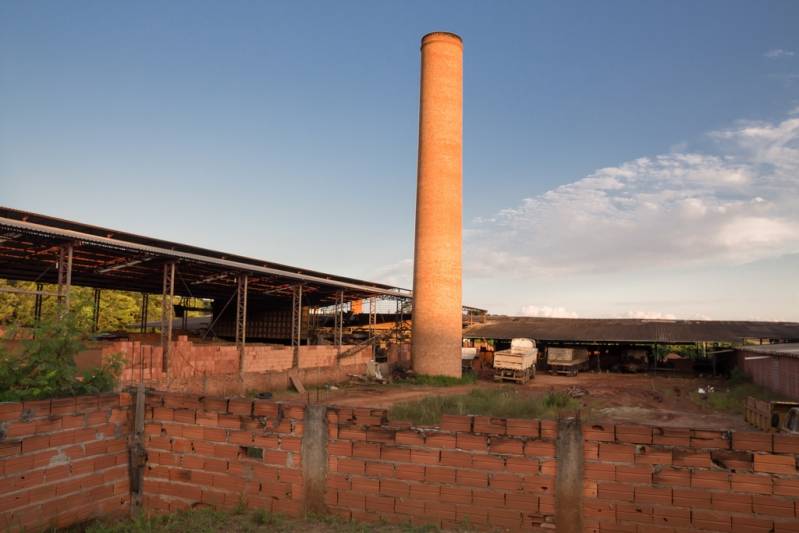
(649, 479)
(205, 451)
(487, 472)
(63, 461)
(212, 368)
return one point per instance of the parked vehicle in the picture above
(778, 417)
(567, 361)
(518, 363)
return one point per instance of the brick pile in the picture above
(63, 461)
(223, 453)
(642, 479)
(487, 472)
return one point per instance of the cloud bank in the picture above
(735, 205)
(776, 53)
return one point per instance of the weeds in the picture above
(731, 396)
(506, 402)
(437, 381)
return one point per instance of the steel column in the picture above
(339, 333)
(64, 277)
(96, 311)
(296, 323)
(37, 304)
(167, 297)
(144, 312)
(241, 317)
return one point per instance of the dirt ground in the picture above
(638, 398)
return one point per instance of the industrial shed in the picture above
(774, 366)
(633, 331)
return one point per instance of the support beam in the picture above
(37, 304)
(338, 332)
(167, 297)
(241, 317)
(144, 312)
(64, 277)
(96, 311)
(296, 323)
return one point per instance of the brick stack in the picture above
(642, 479)
(205, 451)
(487, 472)
(63, 461)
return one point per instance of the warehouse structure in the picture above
(774, 366)
(252, 299)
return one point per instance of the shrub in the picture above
(44, 366)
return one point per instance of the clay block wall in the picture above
(222, 452)
(487, 472)
(194, 360)
(649, 479)
(63, 461)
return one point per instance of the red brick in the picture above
(786, 487)
(380, 504)
(339, 447)
(351, 466)
(775, 464)
(488, 462)
(488, 424)
(653, 456)
(394, 453)
(522, 502)
(240, 406)
(20, 429)
(408, 472)
(503, 481)
(773, 506)
(435, 474)
(456, 495)
(671, 436)
(600, 472)
(228, 421)
(692, 458)
(410, 438)
(539, 448)
(467, 441)
(634, 512)
(549, 429)
(616, 453)
(599, 432)
(424, 492)
(506, 446)
(753, 483)
(183, 416)
(440, 440)
(786, 444)
(459, 459)
(752, 441)
(378, 469)
(392, 487)
(471, 478)
(714, 520)
(62, 406)
(522, 428)
(351, 433)
(653, 495)
(265, 408)
(741, 503)
(634, 434)
(364, 485)
(710, 439)
(381, 435)
(425, 457)
(671, 516)
(750, 524)
(12, 411)
(691, 498)
(710, 480)
(456, 423)
(366, 450)
(615, 491)
(522, 465)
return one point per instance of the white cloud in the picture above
(399, 274)
(546, 311)
(735, 205)
(776, 53)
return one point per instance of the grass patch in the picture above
(505, 402)
(207, 520)
(730, 396)
(437, 381)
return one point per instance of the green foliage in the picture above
(730, 397)
(206, 520)
(44, 366)
(438, 381)
(507, 402)
(118, 309)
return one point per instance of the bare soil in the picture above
(636, 398)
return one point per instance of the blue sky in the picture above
(288, 131)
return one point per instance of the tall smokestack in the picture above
(437, 319)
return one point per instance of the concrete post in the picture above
(314, 457)
(569, 480)
(437, 319)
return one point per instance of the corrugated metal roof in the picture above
(790, 349)
(629, 330)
